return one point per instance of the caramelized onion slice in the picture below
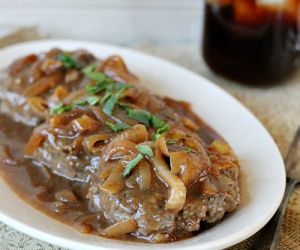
(42, 85)
(144, 175)
(119, 148)
(85, 124)
(38, 105)
(100, 115)
(190, 124)
(65, 118)
(33, 144)
(20, 64)
(72, 75)
(51, 65)
(105, 172)
(121, 228)
(59, 94)
(136, 134)
(189, 167)
(115, 182)
(115, 67)
(161, 142)
(177, 196)
(93, 142)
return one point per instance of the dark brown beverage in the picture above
(251, 43)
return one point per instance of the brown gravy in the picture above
(32, 184)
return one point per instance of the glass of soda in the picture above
(252, 41)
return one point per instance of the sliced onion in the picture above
(161, 141)
(41, 85)
(59, 94)
(105, 172)
(85, 123)
(190, 124)
(189, 167)
(176, 161)
(93, 143)
(136, 134)
(115, 67)
(144, 175)
(100, 115)
(65, 118)
(34, 143)
(38, 105)
(121, 228)
(118, 149)
(115, 182)
(177, 196)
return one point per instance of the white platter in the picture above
(261, 161)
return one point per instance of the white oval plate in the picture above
(260, 159)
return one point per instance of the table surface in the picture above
(277, 107)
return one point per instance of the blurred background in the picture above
(110, 21)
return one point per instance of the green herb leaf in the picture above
(60, 108)
(145, 150)
(68, 61)
(93, 100)
(111, 102)
(157, 122)
(187, 150)
(90, 72)
(140, 116)
(118, 127)
(80, 103)
(124, 106)
(131, 164)
(106, 96)
(94, 89)
(109, 105)
(161, 130)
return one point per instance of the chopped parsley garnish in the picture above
(118, 127)
(131, 164)
(106, 96)
(93, 100)
(90, 72)
(68, 61)
(94, 89)
(140, 116)
(112, 100)
(157, 122)
(113, 90)
(149, 120)
(161, 130)
(109, 105)
(60, 108)
(80, 103)
(187, 150)
(144, 150)
(145, 117)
